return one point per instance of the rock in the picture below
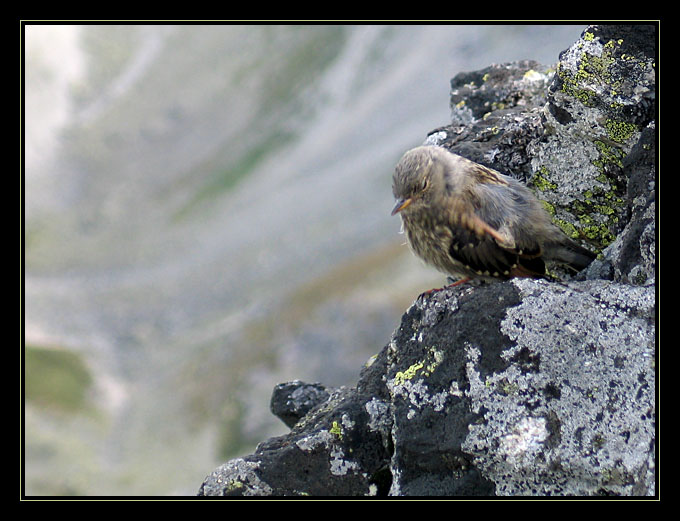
(292, 400)
(496, 114)
(523, 387)
(336, 450)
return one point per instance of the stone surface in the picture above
(292, 400)
(523, 387)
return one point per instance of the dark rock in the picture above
(292, 400)
(522, 387)
(336, 450)
(496, 113)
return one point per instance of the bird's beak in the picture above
(400, 205)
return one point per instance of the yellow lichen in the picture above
(401, 377)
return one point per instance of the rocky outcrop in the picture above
(523, 387)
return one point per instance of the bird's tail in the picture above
(569, 253)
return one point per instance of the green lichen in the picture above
(599, 212)
(592, 230)
(548, 208)
(426, 367)
(594, 216)
(568, 228)
(336, 430)
(619, 131)
(608, 155)
(598, 233)
(571, 85)
(540, 182)
(597, 215)
(592, 69)
(595, 68)
(402, 377)
(233, 485)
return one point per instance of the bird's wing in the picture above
(491, 251)
(484, 243)
(485, 175)
(491, 192)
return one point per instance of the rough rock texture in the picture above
(292, 400)
(524, 387)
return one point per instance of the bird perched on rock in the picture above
(470, 221)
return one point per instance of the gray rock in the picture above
(524, 387)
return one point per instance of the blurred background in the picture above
(207, 214)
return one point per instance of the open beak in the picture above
(400, 205)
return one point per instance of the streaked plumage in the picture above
(470, 221)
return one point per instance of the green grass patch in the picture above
(56, 379)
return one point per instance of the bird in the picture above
(472, 222)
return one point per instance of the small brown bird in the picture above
(470, 221)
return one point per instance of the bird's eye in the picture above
(423, 184)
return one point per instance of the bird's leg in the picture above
(452, 284)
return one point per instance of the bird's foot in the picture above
(453, 284)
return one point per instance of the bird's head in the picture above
(419, 178)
